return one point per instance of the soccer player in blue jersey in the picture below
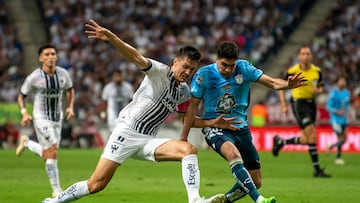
(338, 106)
(224, 88)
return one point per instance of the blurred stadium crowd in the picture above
(159, 27)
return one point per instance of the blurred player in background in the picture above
(162, 89)
(117, 94)
(48, 84)
(338, 106)
(224, 88)
(304, 108)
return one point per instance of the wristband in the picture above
(23, 110)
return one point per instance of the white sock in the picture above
(191, 176)
(34, 147)
(53, 174)
(76, 191)
(258, 200)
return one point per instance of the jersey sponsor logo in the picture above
(226, 103)
(239, 79)
(168, 104)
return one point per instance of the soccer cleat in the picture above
(20, 148)
(219, 198)
(277, 145)
(47, 200)
(268, 200)
(339, 161)
(321, 174)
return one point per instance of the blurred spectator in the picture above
(256, 26)
(84, 136)
(11, 57)
(116, 94)
(9, 134)
(259, 115)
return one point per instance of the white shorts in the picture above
(48, 132)
(124, 142)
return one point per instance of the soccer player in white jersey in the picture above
(162, 89)
(116, 94)
(47, 83)
(224, 88)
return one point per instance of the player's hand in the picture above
(284, 109)
(340, 112)
(69, 113)
(297, 80)
(94, 30)
(26, 119)
(226, 123)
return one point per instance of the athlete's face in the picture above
(48, 58)
(341, 83)
(226, 67)
(305, 55)
(183, 68)
(117, 78)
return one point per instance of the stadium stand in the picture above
(157, 28)
(11, 57)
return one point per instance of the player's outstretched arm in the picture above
(96, 31)
(280, 84)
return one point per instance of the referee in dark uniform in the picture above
(304, 108)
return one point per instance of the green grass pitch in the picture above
(287, 177)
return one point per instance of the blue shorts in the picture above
(338, 128)
(215, 138)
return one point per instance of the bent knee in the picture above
(50, 153)
(188, 149)
(95, 186)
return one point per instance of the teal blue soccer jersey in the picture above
(338, 99)
(229, 96)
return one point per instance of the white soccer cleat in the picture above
(20, 148)
(339, 161)
(47, 200)
(219, 198)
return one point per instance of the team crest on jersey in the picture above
(239, 79)
(199, 80)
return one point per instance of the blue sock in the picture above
(244, 179)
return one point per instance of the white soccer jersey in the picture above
(48, 92)
(117, 97)
(156, 98)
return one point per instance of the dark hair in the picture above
(228, 50)
(118, 71)
(303, 47)
(46, 46)
(342, 76)
(189, 52)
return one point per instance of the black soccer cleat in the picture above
(277, 145)
(321, 174)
